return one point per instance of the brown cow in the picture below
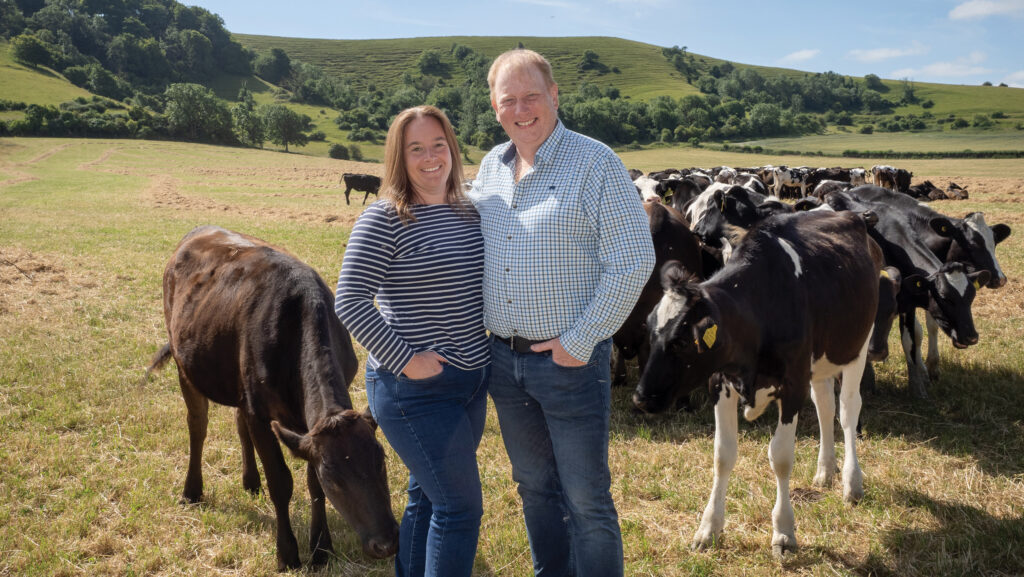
(252, 327)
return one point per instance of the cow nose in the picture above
(877, 356)
(652, 199)
(972, 340)
(381, 549)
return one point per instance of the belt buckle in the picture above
(512, 342)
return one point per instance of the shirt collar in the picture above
(546, 150)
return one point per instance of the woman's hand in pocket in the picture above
(424, 365)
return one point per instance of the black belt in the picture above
(519, 344)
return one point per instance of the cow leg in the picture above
(250, 473)
(823, 395)
(712, 522)
(347, 191)
(618, 367)
(780, 455)
(849, 415)
(910, 334)
(198, 407)
(933, 346)
(279, 486)
(319, 533)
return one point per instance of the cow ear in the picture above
(980, 278)
(893, 274)
(941, 225)
(915, 284)
(368, 417)
(1000, 232)
(720, 199)
(295, 442)
(674, 276)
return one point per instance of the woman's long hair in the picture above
(396, 187)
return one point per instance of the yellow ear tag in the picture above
(885, 273)
(943, 230)
(710, 335)
(918, 284)
(723, 205)
(977, 285)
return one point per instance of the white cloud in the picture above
(879, 54)
(799, 56)
(1015, 79)
(977, 9)
(970, 65)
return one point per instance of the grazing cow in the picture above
(252, 327)
(672, 241)
(945, 290)
(883, 175)
(784, 177)
(722, 212)
(902, 180)
(826, 186)
(367, 183)
(793, 308)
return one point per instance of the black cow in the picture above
(911, 240)
(672, 241)
(367, 183)
(926, 190)
(252, 327)
(792, 308)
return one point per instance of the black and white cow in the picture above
(792, 308)
(786, 177)
(673, 241)
(858, 177)
(911, 237)
(648, 188)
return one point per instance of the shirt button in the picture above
(514, 206)
(510, 237)
(507, 269)
(509, 301)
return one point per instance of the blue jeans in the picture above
(435, 426)
(554, 421)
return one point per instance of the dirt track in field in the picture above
(31, 281)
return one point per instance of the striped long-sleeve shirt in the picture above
(426, 277)
(568, 246)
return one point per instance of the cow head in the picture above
(949, 293)
(974, 243)
(889, 282)
(686, 342)
(349, 464)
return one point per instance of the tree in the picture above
(247, 123)
(273, 67)
(30, 50)
(194, 112)
(764, 119)
(430, 62)
(284, 126)
(874, 83)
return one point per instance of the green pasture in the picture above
(20, 83)
(94, 459)
(933, 141)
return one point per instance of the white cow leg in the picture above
(933, 346)
(822, 393)
(849, 414)
(780, 454)
(712, 522)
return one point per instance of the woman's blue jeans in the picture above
(435, 426)
(554, 421)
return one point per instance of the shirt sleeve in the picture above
(626, 254)
(370, 250)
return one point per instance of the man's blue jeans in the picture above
(554, 421)
(435, 426)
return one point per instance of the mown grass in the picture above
(95, 461)
(926, 141)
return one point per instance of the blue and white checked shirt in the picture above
(568, 248)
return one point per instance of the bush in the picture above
(355, 152)
(317, 136)
(867, 129)
(928, 103)
(999, 114)
(338, 151)
(960, 123)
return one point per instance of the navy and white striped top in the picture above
(427, 277)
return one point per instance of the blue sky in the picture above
(947, 41)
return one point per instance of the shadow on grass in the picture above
(973, 412)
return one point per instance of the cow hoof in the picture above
(253, 487)
(853, 495)
(619, 381)
(705, 540)
(822, 479)
(933, 371)
(190, 500)
(783, 544)
(320, 557)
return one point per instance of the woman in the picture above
(420, 253)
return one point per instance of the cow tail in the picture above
(159, 360)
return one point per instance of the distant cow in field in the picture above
(252, 327)
(789, 311)
(785, 177)
(362, 182)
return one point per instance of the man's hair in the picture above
(517, 58)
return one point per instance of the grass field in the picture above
(19, 83)
(94, 460)
(944, 141)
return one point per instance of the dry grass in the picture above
(94, 461)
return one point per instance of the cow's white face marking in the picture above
(646, 185)
(958, 281)
(670, 307)
(726, 250)
(786, 246)
(976, 222)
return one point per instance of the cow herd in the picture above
(763, 301)
(758, 300)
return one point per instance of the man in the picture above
(568, 249)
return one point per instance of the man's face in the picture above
(526, 107)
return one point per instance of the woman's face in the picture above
(428, 160)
